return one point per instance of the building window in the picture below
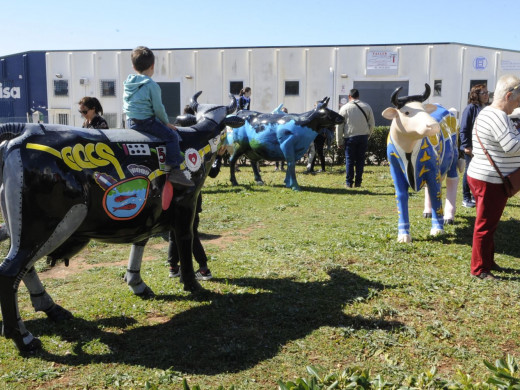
(235, 87)
(111, 119)
(292, 88)
(63, 119)
(437, 88)
(61, 87)
(108, 88)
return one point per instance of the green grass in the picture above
(310, 278)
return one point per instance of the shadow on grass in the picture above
(506, 235)
(231, 333)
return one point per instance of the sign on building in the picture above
(382, 62)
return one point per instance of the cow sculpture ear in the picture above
(389, 113)
(429, 108)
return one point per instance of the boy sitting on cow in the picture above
(143, 107)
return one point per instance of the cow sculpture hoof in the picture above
(147, 293)
(406, 238)
(58, 314)
(260, 183)
(193, 287)
(23, 346)
(427, 215)
(34, 346)
(449, 222)
(436, 232)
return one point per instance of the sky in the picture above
(28, 25)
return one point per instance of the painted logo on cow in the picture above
(79, 156)
(192, 159)
(126, 199)
(161, 156)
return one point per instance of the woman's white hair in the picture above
(505, 84)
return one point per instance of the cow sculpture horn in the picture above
(193, 101)
(233, 105)
(399, 102)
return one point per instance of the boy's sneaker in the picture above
(175, 271)
(203, 274)
(177, 177)
(468, 203)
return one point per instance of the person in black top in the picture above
(90, 109)
(244, 99)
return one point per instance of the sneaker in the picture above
(468, 204)
(485, 276)
(175, 271)
(203, 274)
(177, 177)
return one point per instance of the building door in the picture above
(377, 94)
(171, 98)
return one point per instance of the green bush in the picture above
(376, 153)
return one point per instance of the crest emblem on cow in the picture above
(421, 151)
(63, 186)
(278, 136)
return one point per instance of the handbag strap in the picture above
(365, 115)
(487, 154)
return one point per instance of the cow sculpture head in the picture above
(321, 116)
(411, 119)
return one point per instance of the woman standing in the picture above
(90, 109)
(477, 100)
(500, 138)
(244, 99)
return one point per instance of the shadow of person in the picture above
(228, 332)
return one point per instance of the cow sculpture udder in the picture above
(63, 186)
(420, 155)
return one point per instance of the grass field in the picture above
(300, 278)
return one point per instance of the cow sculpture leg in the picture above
(451, 201)
(288, 148)
(21, 257)
(133, 272)
(41, 300)
(232, 168)
(434, 193)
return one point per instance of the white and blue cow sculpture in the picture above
(421, 152)
(278, 136)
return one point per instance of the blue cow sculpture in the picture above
(63, 186)
(420, 154)
(278, 136)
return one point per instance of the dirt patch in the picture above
(78, 264)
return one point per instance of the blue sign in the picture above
(480, 63)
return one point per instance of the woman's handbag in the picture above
(511, 181)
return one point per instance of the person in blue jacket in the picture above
(142, 104)
(477, 100)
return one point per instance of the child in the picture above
(143, 107)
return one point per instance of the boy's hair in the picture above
(142, 58)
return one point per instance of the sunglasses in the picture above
(84, 112)
(512, 89)
(484, 93)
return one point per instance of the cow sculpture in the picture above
(63, 186)
(278, 137)
(420, 155)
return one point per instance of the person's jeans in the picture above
(355, 150)
(171, 138)
(466, 191)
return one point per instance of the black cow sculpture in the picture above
(278, 137)
(63, 186)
